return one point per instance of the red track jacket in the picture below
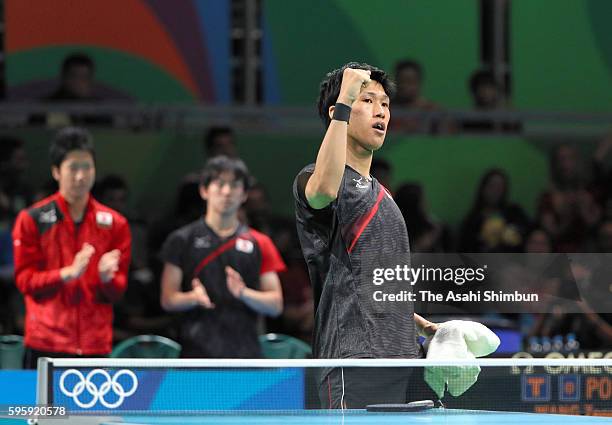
(74, 317)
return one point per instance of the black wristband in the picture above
(342, 112)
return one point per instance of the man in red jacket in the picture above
(71, 259)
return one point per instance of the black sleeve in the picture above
(303, 209)
(173, 247)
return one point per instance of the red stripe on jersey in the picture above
(271, 260)
(363, 221)
(210, 257)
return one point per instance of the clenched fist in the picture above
(352, 82)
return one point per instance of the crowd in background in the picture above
(573, 214)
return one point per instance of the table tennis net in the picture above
(181, 386)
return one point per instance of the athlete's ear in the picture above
(55, 173)
(331, 111)
(203, 192)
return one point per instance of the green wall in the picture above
(312, 37)
(562, 55)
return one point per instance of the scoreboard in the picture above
(558, 389)
(585, 390)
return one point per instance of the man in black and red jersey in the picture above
(346, 222)
(219, 272)
(71, 259)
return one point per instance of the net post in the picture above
(44, 381)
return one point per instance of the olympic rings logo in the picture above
(98, 393)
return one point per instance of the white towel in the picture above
(458, 339)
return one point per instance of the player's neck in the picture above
(222, 225)
(76, 206)
(359, 158)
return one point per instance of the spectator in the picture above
(426, 233)
(487, 95)
(15, 193)
(298, 313)
(71, 259)
(538, 241)
(219, 273)
(529, 272)
(220, 141)
(568, 210)
(257, 209)
(113, 192)
(46, 189)
(603, 176)
(139, 311)
(594, 324)
(76, 85)
(188, 207)
(493, 224)
(77, 77)
(409, 80)
(409, 77)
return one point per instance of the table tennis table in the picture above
(180, 391)
(346, 417)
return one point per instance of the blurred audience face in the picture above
(486, 96)
(408, 82)
(75, 175)
(223, 144)
(494, 190)
(115, 198)
(225, 194)
(13, 159)
(18, 162)
(566, 162)
(78, 80)
(538, 242)
(257, 201)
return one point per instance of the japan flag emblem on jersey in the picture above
(104, 219)
(244, 245)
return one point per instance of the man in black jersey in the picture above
(220, 273)
(346, 221)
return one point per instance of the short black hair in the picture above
(70, 139)
(221, 164)
(213, 133)
(481, 77)
(409, 64)
(330, 86)
(77, 59)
